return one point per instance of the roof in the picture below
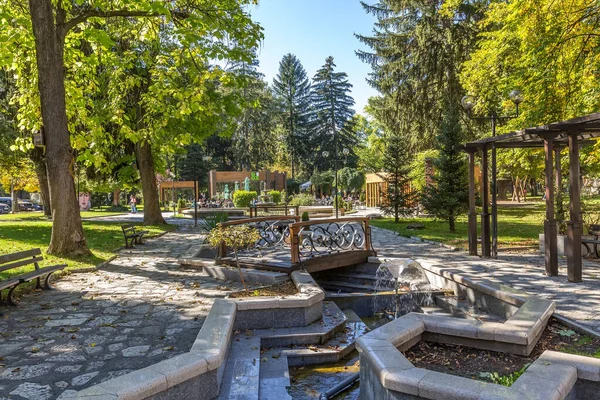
(585, 128)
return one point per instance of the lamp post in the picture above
(468, 102)
(325, 154)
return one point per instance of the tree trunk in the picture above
(67, 232)
(116, 195)
(502, 188)
(145, 162)
(451, 223)
(13, 196)
(37, 157)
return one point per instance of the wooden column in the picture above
(485, 214)
(574, 226)
(294, 244)
(550, 247)
(472, 206)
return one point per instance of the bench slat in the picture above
(9, 283)
(21, 254)
(17, 264)
(41, 272)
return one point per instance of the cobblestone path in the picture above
(138, 310)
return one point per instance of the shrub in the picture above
(303, 199)
(363, 197)
(305, 216)
(275, 196)
(293, 185)
(181, 203)
(243, 198)
(211, 221)
(118, 208)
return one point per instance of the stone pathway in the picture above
(138, 218)
(138, 310)
(579, 302)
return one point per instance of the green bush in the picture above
(181, 203)
(305, 216)
(118, 208)
(211, 221)
(243, 198)
(363, 197)
(303, 199)
(275, 196)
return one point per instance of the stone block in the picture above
(498, 392)
(588, 368)
(256, 304)
(202, 387)
(288, 317)
(313, 313)
(450, 326)
(137, 385)
(531, 387)
(485, 330)
(436, 385)
(511, 334)
(383, 359)
(181, 368)
(405, 381)
(95, 392)
(254, 319)
(563, 376)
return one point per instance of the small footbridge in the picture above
(287, 244)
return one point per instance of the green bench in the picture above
(20, 259)
(132, 235)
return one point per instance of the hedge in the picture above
(243, 198)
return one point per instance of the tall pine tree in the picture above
(333, 126)
(448, 194)
(396, 164)
(292, 87)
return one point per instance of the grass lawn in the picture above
(28, 230)
(518, 226)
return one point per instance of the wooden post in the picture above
(294, 244)
(472, 206)
(367, 235)
(550, 247)
(485, 214)
(574, 225)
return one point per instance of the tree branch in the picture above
(68, 25)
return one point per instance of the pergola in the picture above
(553, 137)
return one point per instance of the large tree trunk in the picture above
(37, 157)
(116, 195)
(14, 197)
(502, 189)
(145, 162)
(67, 232)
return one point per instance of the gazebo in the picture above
(553, 137)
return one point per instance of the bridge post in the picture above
(294, 244)
(367, 235)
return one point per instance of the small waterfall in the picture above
(401, 287)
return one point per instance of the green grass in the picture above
(28, 232)
(519, 225)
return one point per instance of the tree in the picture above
(371, 145)
(350, 179)
(333, 126)
(292, 87)
(417, 50)
(396, 164)
(199, 26)
(447, 196)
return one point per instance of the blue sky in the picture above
(314, 30)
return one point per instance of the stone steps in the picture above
(343, 286)
(464, 309)
(274, 376)
(241, 377)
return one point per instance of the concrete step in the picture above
(333, 350)
(436, 311)
(274, 376)
(332, 285)
(241, 377)
(352, 277)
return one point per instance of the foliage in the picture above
(305, 216)
(292, 88)
(396, 163)
(350, 179)
(212, 221)
(371, 145)
(182, 203)
(302, 199)
(333, 125)
(235, 237)
(275, 196)
(243, 198)
(323, 180)
(293, 185)
(417, 172)
(504, 380)
(119, 208)
(417, 48)
(447, 197)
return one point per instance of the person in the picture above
(133, 203)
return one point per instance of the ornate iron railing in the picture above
(323, 237)
(274, 232)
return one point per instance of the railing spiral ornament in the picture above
(333, 237)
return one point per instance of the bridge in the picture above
(287, 244)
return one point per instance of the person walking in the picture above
(133, 203)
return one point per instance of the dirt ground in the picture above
(479, 364)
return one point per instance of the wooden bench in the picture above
(20, 259)
(586, 243)
(132, 235)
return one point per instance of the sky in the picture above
(314, 30)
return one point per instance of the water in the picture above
(309, 382)
(401, 287)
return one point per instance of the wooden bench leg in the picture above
(38, 283)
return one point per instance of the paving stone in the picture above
(83, 379)
(66, 394)
(68, 368)
(33, 391)
(26, 371)
(61, 384)
(116, 346)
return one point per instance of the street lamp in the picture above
(325, 154)
(468, 103)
